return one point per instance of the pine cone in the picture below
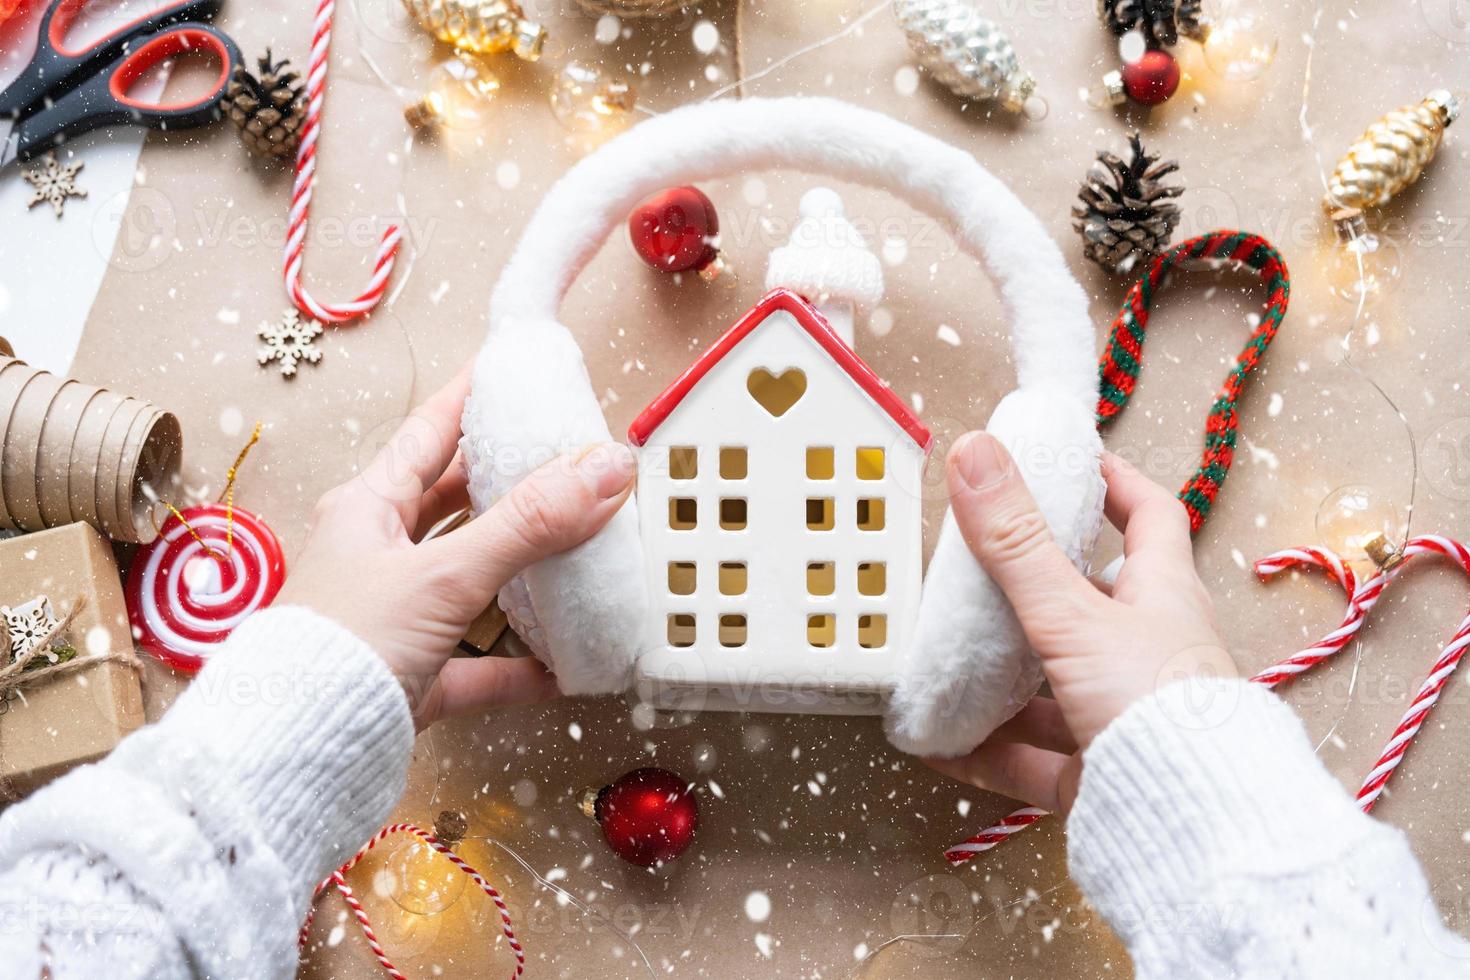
(1126, 214)
(1161, 21)
(269, 110)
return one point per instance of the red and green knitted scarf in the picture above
(1119, 366)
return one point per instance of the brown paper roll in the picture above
(81, 479)
(5, 348)
(13, 377)
(57, 432)
(22, 449)
(110, 468)
(70, 451)
(152, 453)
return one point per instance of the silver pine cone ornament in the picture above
(1161, 21)
(268, 108)
(1125, 212)
(965, 51)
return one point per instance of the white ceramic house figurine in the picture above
(780, 503)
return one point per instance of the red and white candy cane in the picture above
(1429, 691)
(338, 879)
(316, 86)
(1361, 600)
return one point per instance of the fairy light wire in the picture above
(582, 907)
(1361, 304)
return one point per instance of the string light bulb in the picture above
(1360, 523)
(1239, 42)
(590, 104)
(421, 881)
(460, 92)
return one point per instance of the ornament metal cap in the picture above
(1113, 91)
(426, 113)
(530, 40)
(1019, 89)
(1448, 103)
(716, 268)
(1382, 553)
(588, 803)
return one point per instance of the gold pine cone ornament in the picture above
(1387, 159)
(483, 28)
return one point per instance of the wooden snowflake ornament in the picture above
(290, 341)
(53, 183)
(26, 625)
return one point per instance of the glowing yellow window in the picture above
(681, 577)
(872, 578)
(732, 513)
(734, 463)
(872, 630)
(821, 630)
(819, 512)
(870, 463)
(683, 462)
(681, 630)
(821, 578)
(820, 463)
(870, 514)
(733, 578)
(683, 512)
(732, 630)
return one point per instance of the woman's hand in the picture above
(1100, 652)
(412, 603)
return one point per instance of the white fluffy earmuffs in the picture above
(583, 613)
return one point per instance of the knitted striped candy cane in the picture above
(316, 87)
(1118, 377)
(338, 879)
(1118, 369)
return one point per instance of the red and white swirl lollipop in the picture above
(188, 591)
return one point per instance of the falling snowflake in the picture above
(290, 341)
(53, 183)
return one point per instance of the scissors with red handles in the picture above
(66, 91)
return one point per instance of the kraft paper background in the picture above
(843, 834)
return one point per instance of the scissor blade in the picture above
(8, 141)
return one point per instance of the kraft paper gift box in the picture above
(52, 724)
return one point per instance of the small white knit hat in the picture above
(826, 259)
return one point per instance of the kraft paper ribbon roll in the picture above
(70, 451)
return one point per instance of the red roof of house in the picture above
(814, 324)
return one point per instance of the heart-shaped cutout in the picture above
(776, 393)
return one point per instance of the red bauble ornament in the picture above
(648, 816)
(675, 230)
(1151, 79)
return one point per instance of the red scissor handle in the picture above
(56, 69)
(63, 14)
(176, 41)
(104, 99)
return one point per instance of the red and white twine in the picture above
(1361, 600)
(338, 879)
(316, 87)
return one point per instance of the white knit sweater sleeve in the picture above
(192, 850)
(1216, 844)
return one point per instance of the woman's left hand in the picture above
(364, 565)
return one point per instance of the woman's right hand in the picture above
(1100, 652)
